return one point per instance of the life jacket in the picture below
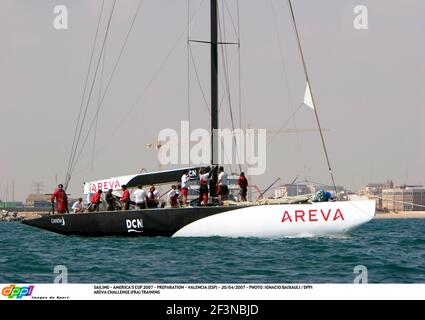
(125, 196)
(95, 198)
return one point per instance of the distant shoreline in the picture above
(401, 215)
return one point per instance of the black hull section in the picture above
(148, 222)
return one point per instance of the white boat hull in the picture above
(289, 220)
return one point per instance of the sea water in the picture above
(393, 251)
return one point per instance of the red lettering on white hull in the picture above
(327, 216)
(93, 188)
(312, 215)
(105, 185)
(338, 214)
(301, 216)
(286, 216)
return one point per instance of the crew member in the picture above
(173, 196)
(78, 207)
(204, 176)
(140, 197)
(243, 186)
(185, 186)
(61, 200)
(88, 200)
(110, 200)
(125, 198)
(152, 199)
(179, 194)
(222, 185)
(95, 201)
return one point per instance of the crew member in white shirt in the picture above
(140, 197)
(204, 177)
(173, 196)
(222, 183)
(185, 186)
(78, 206)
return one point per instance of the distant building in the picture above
(403, 199)
(374, 192)
(376, 188)
(11, 204)
(37, 199)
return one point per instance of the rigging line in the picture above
(139, 98)
(85, 86)
(227, 88)
(209, 42)
(97, 117)
(231, 17)
(225, 68)
(311, 92)
(188, 67)
(94, 149)
(222, 101)
(226, 158)
(199, 80)
(110, 78)
(285, 73)
(68, 178)
(285, 124)
(223, 97)
(239, 66)
(222, 78)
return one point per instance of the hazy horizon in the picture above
(368, 86)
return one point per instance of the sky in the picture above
(368, 87)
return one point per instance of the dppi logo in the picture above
(134, 224)
(13, 291)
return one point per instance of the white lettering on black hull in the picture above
(60, 221)
(134, 225)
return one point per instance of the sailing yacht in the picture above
(269, 218)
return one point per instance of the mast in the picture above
(312, 96)
(214, 93)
